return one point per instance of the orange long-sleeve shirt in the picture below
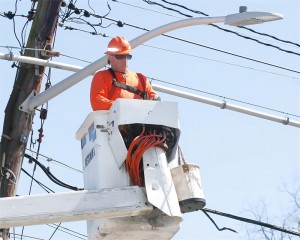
(102, 84)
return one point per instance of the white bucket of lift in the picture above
(188, 187)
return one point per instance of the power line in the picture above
(211, 48)
(15, 234)
(9, 48)
(267, 35)
(267, 225)
(167, 50)
(68, 231)
(146, 9)
(55, 231)
(50, 175)
(233, 54)
(205, 210)
(214, 60)
(249, 29)
(48, 190)
(224, 97)
(58, 227)
(220, 229)
(204, 14)
(278, 40)
(49, 159)
(10, 15)
(121, 24)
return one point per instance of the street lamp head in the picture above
(250, 18)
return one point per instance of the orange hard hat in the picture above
(118, 45)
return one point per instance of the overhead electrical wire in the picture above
(214, 25)
(71, 7)
(68, 56)
(249, 29)
(90, 6)
(23, 33)
(168, 8)
(278, 40)
(50, 175)
(48, 190)
(59, 227)
(206, 15)
(43, 117)
(211, 48)
(220, 229)
(68, 231)
(223, 62)
(26, 236)
(232, 54)
(121, 24)
(266, 225)
(12, 16)
(39, 140)
(224, 97)
(131, 5)
(14, 25)
(48, 159)
(172, 51)
(55, 231)
(206, 210)
(209, 93)
(268, 35)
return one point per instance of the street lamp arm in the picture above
(244, 18)
(34, 101)
(173, 26)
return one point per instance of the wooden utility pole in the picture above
(18, 124)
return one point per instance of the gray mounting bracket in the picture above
(24, 107)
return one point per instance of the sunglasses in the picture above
(119, 57)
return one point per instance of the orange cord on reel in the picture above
(135, 153)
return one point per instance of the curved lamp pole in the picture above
(239, 19)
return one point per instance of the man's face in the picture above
(119, 62)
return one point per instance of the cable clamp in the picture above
(286, 121)
(10, 54)
(8, 174)
(6, 136)
(223, 106)
(47, 52)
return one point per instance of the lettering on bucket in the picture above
(89, 157)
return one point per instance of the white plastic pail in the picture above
(188, 187)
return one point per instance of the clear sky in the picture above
(245, 161)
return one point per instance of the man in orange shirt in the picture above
(118, 81)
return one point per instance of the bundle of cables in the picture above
(137, 148)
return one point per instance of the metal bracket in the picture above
(286, 121)
(223, 106)
(48, 52)
(24, 107)
(159, 185)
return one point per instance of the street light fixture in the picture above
(250, 18)
(239, 19)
